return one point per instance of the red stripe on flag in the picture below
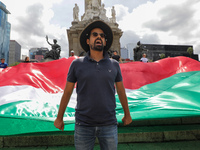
(138, 74)
(51, 76)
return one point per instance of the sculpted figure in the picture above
(89, 13)
(138, 51)
(103, 13)
(54, 53)
(76, 12)
(95, 4)
(113, 13)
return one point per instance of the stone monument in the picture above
(94, 10)
(54, 53)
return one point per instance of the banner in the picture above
(30, 93)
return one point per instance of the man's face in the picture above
(115, 53)
(2, 60)
(97, 40)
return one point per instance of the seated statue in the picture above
(54, 53)
(103, 13)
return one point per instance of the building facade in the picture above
(4, 32)
(38, 53)
(154, 51)
(130, 47)
(14, 52)
(124, 53)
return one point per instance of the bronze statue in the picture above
(54, 53)
(137, 51)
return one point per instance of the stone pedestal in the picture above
(77, 26)
(76, 29)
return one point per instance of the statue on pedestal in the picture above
(89, 12)
(95, 9)
(54, 53)
(95, 4)
(138, 51)
(113, 14)
(76, 13)
(103, 13)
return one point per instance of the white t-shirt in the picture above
(145, 60)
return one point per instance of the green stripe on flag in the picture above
(176, 96)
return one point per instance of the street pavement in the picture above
(180, 145)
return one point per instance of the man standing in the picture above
(3, 64)
(97, 76)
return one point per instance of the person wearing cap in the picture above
(144, 59)
(3, 64)
(72, 53)
(96, 76)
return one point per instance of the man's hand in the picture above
(127, 120)
(59, 124)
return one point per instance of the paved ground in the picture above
(183, 145)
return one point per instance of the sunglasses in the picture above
(95, 34)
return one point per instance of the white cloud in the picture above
(151, 21)
(171, 21)
(30, 23)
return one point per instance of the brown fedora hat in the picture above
(96, 24)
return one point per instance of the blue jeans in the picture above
(85, 136)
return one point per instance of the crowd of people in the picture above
(115, 56)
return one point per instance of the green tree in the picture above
(14, 64)
(190, 51)
(162, 56)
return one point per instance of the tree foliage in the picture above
(190, 51)
(14, 64)
(162, 56)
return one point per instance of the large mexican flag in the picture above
(30, 93)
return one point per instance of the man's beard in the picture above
(97, 47)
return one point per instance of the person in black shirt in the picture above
(116, 57)
(96, 77)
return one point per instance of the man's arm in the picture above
(120, 60)
(123, 99)
(59, 123)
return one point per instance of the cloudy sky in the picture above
(148, 21)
